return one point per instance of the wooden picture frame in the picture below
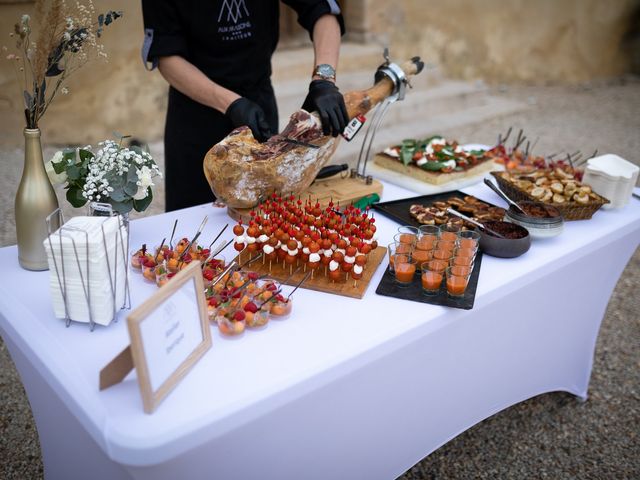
(163, 353)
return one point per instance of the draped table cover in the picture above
(344, 388)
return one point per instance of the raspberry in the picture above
(252, 276)
(239, 316)
(251, 307)
(208, 275)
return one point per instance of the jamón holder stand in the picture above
(400, 81)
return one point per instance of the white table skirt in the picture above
(345, 388)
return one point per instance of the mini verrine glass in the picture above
(468, 239)
(405, 239)
(449, 232)
(407, 234)
(421, 256)
(457, 280)
(431, 279)
(442, 255)
(429, 232)
(425, 243)
(405, 268)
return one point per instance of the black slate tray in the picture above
(389, 288)
(398, 210)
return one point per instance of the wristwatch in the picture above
(324, 71)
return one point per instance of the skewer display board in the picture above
(344, 190)
(320, 282)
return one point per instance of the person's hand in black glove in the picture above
(325, 98)
(245, 112)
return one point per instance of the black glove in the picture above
(245, 112)
(325, 98)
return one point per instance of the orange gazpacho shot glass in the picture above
(457, 280)
(431, 279)
(405, 269)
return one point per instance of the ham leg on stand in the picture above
(241, 171)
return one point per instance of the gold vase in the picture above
(35, 200)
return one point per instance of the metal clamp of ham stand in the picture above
(393, 72)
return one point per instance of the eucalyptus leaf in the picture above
(131, 188)
(141, 205)
(122, 206)
(132, 175)
(118, 195)
(73, 172)
(69, 156)
(75, 198)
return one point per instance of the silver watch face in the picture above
(325, 70)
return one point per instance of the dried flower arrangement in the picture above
(68, 36)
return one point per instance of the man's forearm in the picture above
(326, 41)
(190, 81)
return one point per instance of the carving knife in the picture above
(298, 143)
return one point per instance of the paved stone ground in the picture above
(550, 436)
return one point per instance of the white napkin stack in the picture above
(98, 274)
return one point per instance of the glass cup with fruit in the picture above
(256, 313)
(231, 321)
(280, 307)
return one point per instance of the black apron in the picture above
(191, 129)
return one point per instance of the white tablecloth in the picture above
(345, 388)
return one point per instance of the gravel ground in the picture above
(550, 436)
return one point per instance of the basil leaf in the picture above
(433, 166)
(406, 153)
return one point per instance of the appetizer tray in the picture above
(319, 282)
(398, 210)
(389, 288)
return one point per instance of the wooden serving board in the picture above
(336, 189)
(319, 282)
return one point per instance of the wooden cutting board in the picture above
(319, 282)
(344, 190)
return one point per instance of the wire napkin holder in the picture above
(121, 248)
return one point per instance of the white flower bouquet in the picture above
(117, 175)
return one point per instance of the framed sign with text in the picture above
(169, 333)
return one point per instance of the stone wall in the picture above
(532, 41)
(560, 41)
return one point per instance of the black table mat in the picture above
(398, 210)
(389, 288)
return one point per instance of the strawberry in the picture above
(213, 302)
(251, 307)
(280, 298)
(239, 316)
(272, 287)
(253, 276)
